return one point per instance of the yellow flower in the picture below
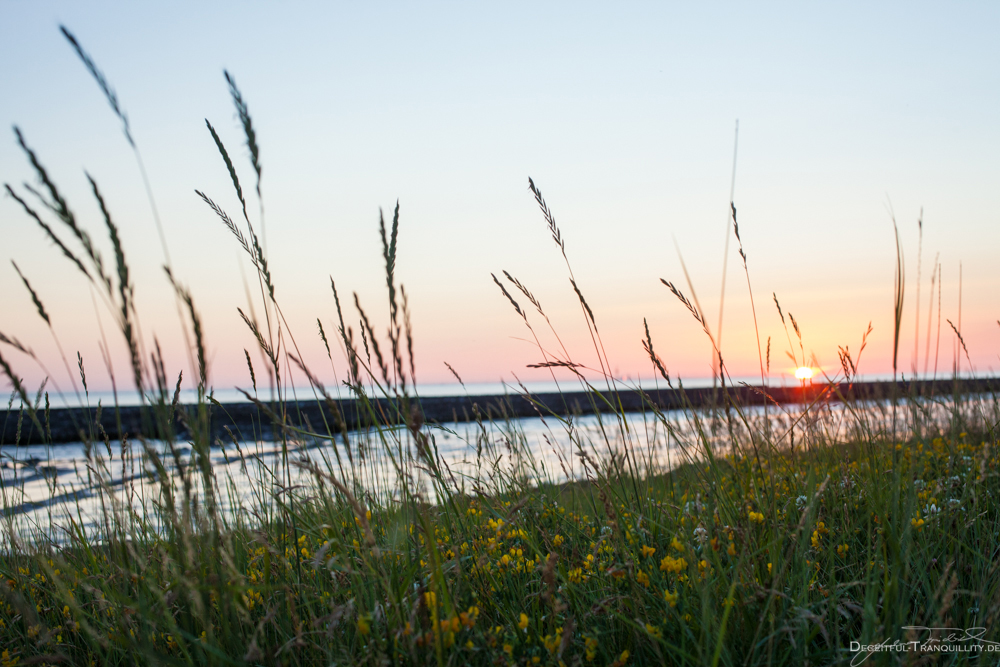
(590, 646)
(364, 627)
(842, 550)
(731, 550)
(815, 539)
(769, 568)
(575, 575)
(557, 540)
(642, 578)
(468, 618)
(653, 631)
(756, 517)
(552, 642)
(523, 623)
(671, 564)
(647, 551)
(508, 649)
(670, 597)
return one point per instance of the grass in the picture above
(785, 535)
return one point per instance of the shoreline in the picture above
(246, 418)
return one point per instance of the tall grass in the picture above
(778, 537)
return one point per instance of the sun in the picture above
(803, 373)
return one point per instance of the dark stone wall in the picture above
(247, 420)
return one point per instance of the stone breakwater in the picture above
(263, 420)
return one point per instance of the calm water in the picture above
(46, 488)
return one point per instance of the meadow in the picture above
(776, 539)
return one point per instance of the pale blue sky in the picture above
(623, 114)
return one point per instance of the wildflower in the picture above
(523, 623)
(700, 535)
(671, 564)
(653, 631)
(917, 523)
(590, 648)
(731, 550)
(769, 569)
(557, 540)
(675, 543)
(647, 551)
(801, 501)
(552, 642)
(364, 626)
(670, 597)
(468, 618)
(575, 575)
(842, 550)
(508, 649)
(756, 517)
(642, 578)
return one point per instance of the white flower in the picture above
(700, 535)
(801, 501)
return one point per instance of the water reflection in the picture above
(46, 490)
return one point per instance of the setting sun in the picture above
(803, 373)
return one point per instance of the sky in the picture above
(624, 115)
